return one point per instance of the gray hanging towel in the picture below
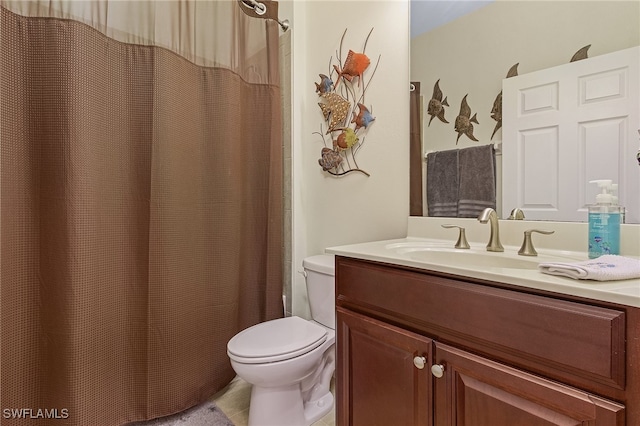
(442, 183)
(477, 180)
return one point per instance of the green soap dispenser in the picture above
(604, 223)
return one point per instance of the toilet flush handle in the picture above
(303, 273)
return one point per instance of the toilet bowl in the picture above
(290, 361)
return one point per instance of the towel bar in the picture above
(497, 148)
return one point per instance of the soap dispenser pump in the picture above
(604, 222)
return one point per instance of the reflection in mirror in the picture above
(471, 55)
(582, 115)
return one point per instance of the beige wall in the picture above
(472, 54)
(331, 211)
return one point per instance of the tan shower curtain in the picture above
(140, 206)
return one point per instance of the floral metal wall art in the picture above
(346, 116)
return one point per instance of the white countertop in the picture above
(625, 292)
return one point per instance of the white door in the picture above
(567, 125)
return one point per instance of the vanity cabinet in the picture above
(387, 374)
(504, 355)
(475, 390)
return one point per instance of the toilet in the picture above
(290, 361)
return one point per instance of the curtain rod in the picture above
(261, 9)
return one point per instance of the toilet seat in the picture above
(276, 340)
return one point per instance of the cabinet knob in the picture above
(437, 370)
(419, 362)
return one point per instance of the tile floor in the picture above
(234, 402)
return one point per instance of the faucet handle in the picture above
(516, 214)
(462, 238)
(527, 248)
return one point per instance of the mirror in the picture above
(478, 42)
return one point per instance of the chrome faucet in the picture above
(490, 215)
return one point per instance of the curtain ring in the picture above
(258, 8)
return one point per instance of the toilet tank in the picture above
(321, 290)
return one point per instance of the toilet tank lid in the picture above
(323, 263)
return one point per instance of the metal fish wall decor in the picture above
(363, 118)
(345, 140)
(335, 109)
(463, 123)
(581, 54)
(329, 159)
(354, 66)
(325, 85)
(338, 103)
(437, 104)
(496, 111)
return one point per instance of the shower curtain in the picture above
(415, 150)
(140, 203)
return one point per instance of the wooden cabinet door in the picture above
(377, 382)
(479, 392)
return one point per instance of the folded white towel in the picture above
(604, 268)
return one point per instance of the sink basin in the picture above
(407, 247)
(473, 258)
(441, 253)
